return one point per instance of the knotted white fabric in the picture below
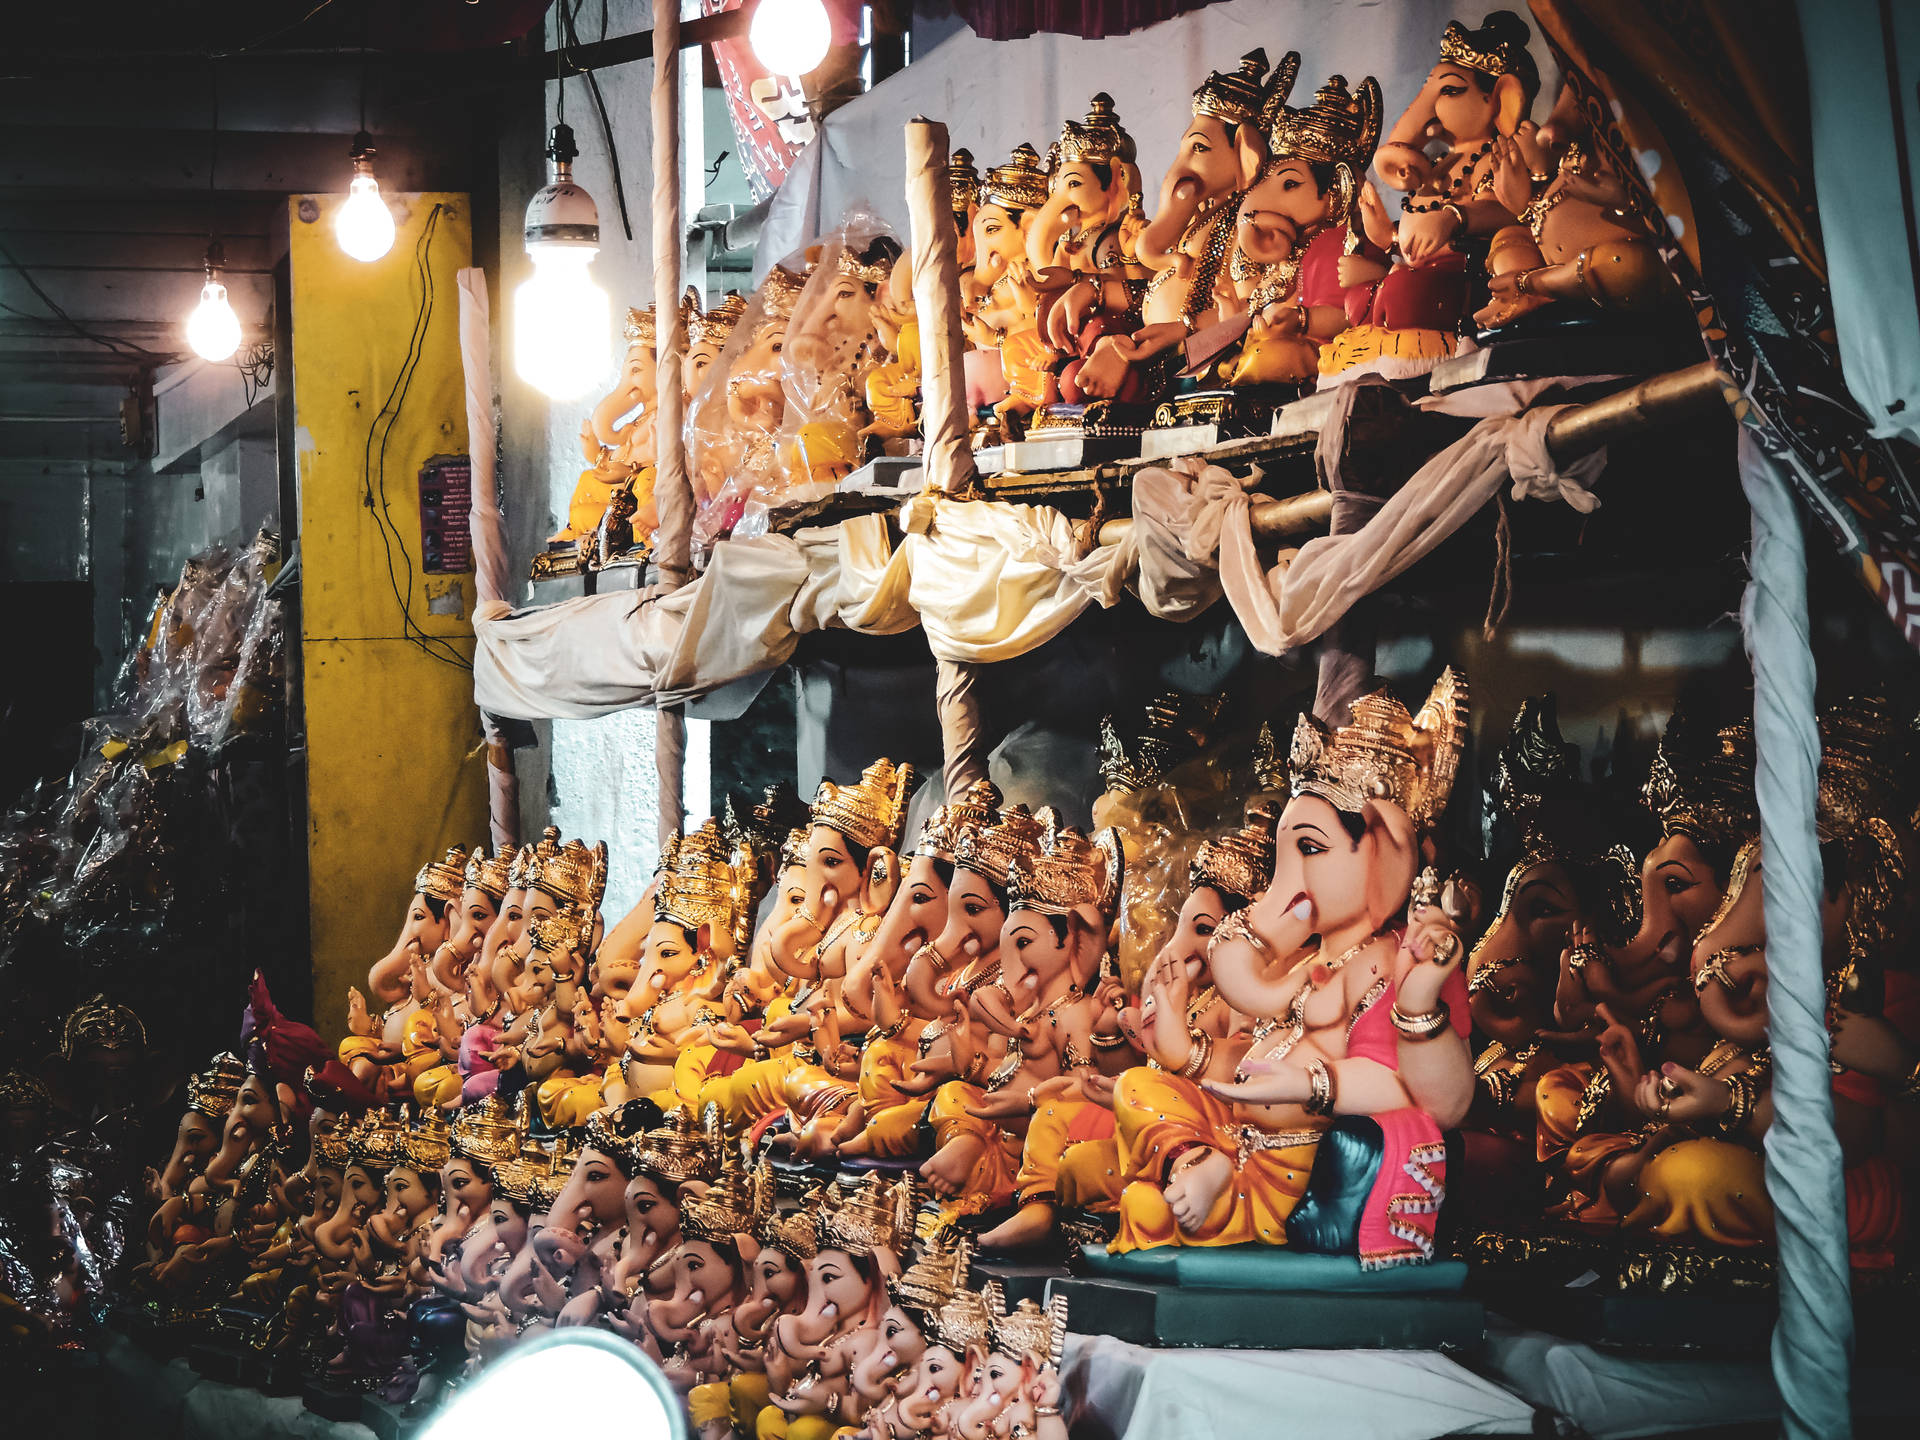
(1299, 600)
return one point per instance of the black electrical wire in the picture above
(572, 39)
(118, 347)
(373, 474)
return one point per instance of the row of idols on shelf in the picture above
(1246, 1012)
(1271, 264)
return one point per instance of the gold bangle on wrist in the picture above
(1200, 1052)
(1320, 1078)
(1421, 1027)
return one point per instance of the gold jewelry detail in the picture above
(682, 1149)
(701, 881)
(1238, 864)
(867, 272)
(1421, 1027)
(1704, 790)
(1320, 1081)
(1200, 1045)
(21, 1091)
(937, 1277)
(1251, 1140)
(731, 1206)
(964, 182)
(711, 327)
(1385, 753)
(966, 1320)
(873, 810)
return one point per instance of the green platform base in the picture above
(1193, 1318)
(1271, 1269)
(1019, 1280)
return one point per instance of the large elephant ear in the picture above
(1512, 96)
(1396, 860)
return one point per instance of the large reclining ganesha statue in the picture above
(1358, 1006)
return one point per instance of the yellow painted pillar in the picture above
(392, 773)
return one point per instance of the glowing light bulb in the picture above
(364, 225)
(790, 37)
(562, 321)
(213, 330)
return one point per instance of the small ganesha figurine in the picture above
(1359, 1009)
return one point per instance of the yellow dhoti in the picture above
(385, 1079)
(753, 1092)
(437, 1088)
(991, 1182)
(773, 1424)
(748, 1392)
(1053, 1131)
(1158, 1114)
(1091, 1176)
(568, 1100)
(1707, 1190)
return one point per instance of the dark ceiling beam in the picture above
(170, 161)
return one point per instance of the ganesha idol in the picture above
(1187, 240)
(1475, 97)
(1359, 1009)
(618, 444)
(376, 1049)
(1293, 232)
(1000, 294)
(735, 417)
(1696, 1172)
(1081, 242)
(832, 350)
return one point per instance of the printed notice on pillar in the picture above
(446, 543)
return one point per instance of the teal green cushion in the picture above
(1273, 1268)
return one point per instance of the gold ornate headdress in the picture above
(730, 1208)
(992, 850)
(699, 884)
(1028, 1332)
(939, 1275)
(1020, 184)
(877, 1216)
(869, 272)
(1235, 96)
(1385, 753)
(1068, 871)
(534, 1177)
(490, 876)
(380, 1141)
(1866, 806)
(529, 859)
(966, 1321)
(486, 1133)
(642, 327)
(682, 1149)
(793, 850)
(795, 1233)
(1175, 728)
(603, 1133)
(780, 292)
(965, 183)
(1704, 792)
(1456, 44)
(336, 1149)
(428, 1143)
(567, 927)
(573, 874)
(941, 833)
(21, 1091)
(1099, 140)
(100, 1022)
(873, 810)
(213, 1091)
(1338, 128)
(443, 879)
(1239, 862)
(711, 327)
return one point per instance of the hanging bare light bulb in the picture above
(562, 321)
(213, 330)
(364, 225)
(790, 37)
